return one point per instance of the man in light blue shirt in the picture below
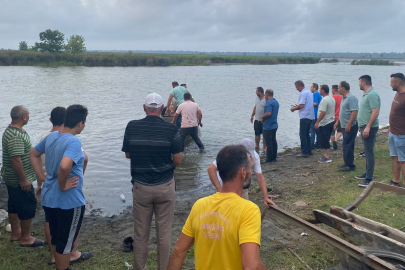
(313, 133)
(306, 111)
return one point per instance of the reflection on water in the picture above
(114, 96)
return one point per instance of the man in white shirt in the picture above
(257, 114)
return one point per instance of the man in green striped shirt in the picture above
(18, 174)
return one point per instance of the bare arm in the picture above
(212, 174)
(266, 115)
(169, 101)
(199, 118)
(320, 117)
(127, 155)
(180, 251)
(176, 115)
(35, 157)
(65, 167)
(251, 257)
(374, 114)
(19, 171)
(86, 160)
(263, 187)
(315, 104)
(336, 124)
(177, 159)
(253, 114)
(297, 107)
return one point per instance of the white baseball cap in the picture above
(249, 145)
(153, 101)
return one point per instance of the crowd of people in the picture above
(225, 227)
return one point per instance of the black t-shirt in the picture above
(151, 142)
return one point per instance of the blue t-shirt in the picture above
(317, 99)
(306, 98)
(56, 146)
(271, 122)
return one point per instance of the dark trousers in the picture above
(271, 142)
(305, 125)
(349, 139)
(193, 132)
(369, 151)
(313, 133)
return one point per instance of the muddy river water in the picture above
(114, 96)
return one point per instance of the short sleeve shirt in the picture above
(349, 103)
(219, 224)
(306, 99)
(178, 93)
(16, 142)
(317, 99)
(338, 101)
(371, 100)
(397, 115)
(56, 146)
(189, 114)
(259, 105)
(272, 106)
(327, 105)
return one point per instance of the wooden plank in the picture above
(369, 224)
(367, 237)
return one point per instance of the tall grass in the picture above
(107, 59)
(373, 62)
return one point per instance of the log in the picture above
(366, 236)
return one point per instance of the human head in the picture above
(344, 88)
(335, 89)
(365, 82)
(324, 90)
(58, 116)
(20, 114)
(184, 85)
(234, 165)
(175, 84)
(153, 104)
(299, 85)
(269, 94)
(397, 81)
(75, 117)
(314, 87)
(259, 91)
(187, 96)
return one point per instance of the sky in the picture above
(211, 25)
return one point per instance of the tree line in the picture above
(53, 41)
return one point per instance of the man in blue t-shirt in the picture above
(62, 189)
(313, 133)
(270, 125)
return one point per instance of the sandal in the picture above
(84, 256)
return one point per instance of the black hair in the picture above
(74, 115)
(398, 76)
(325, 88)
(183, 84)
(187, 96)
(345, 85)
(315, 85)
(366, 79)
(299, 83)
(230, 159)
(335, 86)
(260, 89)
(58, 116)
(175, 83)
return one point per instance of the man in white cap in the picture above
(250, 146)
(155, 149)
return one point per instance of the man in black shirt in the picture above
(155, 149)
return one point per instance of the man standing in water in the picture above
(224, 228)
(190, 120)
(18, 174)
(313, 131)
(338, 100)
(257, 114)
(270, 125)
(178, 94)
(155, 149)
(306, 111)
(396, 137)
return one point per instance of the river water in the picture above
(114, 96)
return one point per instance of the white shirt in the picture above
(260, 104)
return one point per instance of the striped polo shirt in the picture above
(16, 142)
(151, 142)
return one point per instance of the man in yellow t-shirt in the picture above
(224, 228)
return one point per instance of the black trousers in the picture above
(349, 138)
(271, 142)
(305, 125)
(193, 132)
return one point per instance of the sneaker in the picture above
(365, 183)
(342, 165)
(302, 155)
(361, 177)
(335, 147)
(347, 169)
(362, 154)
(392, 183)
(323, 159)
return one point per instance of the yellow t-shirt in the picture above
(219, 224)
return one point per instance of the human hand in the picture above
(316, 125)
(71, 183)
(348, 128)
(267, 202)
(25, 185)
(366, 132)
(200, 124)
(292, 109)
(38, 193)
(251, 119)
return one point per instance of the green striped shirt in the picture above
(16, 142)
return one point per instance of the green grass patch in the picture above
(373, 62)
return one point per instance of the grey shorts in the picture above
(397, 146)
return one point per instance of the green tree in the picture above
(51, 41)
(75, 44)
(23, 46)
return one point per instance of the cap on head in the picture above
(153, 101)
(249, 145)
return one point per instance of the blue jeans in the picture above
(313, 133)
(349, 138)
(369, 151)
(305, 124)
(397, 146)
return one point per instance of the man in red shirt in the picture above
(338, 99)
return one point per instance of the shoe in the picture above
(302, 155)
(362, 154)
(342, 165)
(323, 159)
(310, 153)
(347, 169)
(361, 177)
(84, 256)
(335, 147)
(365, 183)
(392, 183)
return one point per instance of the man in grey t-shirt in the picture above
(257, 114)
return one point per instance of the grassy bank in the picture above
(106, 59)
(373, 62)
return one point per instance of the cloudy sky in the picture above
(212, 25)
